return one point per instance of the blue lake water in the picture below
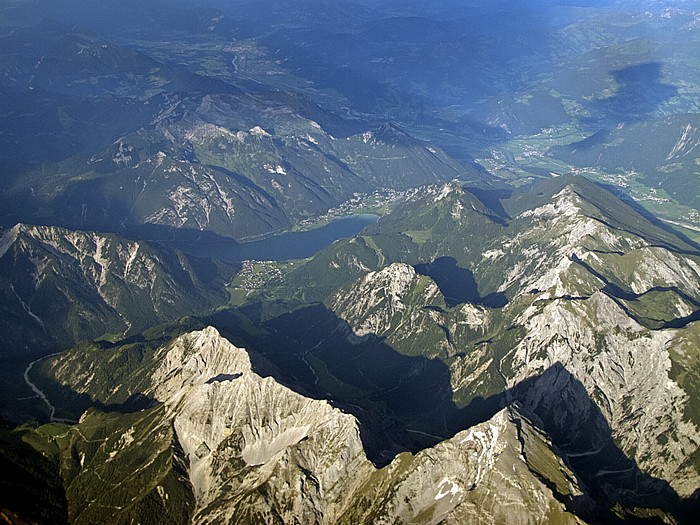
(282, 247)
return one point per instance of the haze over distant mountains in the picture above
(512, 338)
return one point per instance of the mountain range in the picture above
(503, 350)
(61, 286)
(514, 336)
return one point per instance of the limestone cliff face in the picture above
(583, 375)
(500, 471)
(395, 303)
(599, 323)
(255, 451)
(63, 286)
(259, 451)
(588, 297)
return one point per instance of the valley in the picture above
(364, 261)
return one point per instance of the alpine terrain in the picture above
(350, 262)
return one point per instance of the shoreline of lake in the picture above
(281, 247)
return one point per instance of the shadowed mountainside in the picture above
(409, 388)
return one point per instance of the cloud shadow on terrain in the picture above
(493, 200)
(405, 403)
(640, 92)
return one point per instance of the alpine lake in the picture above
(282, 247)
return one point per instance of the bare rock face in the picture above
(63, 286)
(385, 303)
(585, 376)
(258, 451)
(598, 336)
(587, 298)
(470, 477)
(255, 451)
(525, 482)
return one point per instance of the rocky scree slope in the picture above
(244, 448)
(59, 286)
(600, 321)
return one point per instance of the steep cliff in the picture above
(59, 286)
(244, 448)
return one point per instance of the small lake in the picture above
(282, 247)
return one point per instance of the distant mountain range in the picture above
(514, 338)
(506, 342)
(224, 162)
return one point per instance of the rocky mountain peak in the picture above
(245, 448)
(565, 203)
(389, 134)
(395, 278)
(8, 238)
(375, 302)
(234, 424)
(196, 358)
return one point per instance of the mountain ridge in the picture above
(509, 342)
(200, 372)
(565, 283)
(73, 285)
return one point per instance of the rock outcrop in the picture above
(252, 450)
(58, 286)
